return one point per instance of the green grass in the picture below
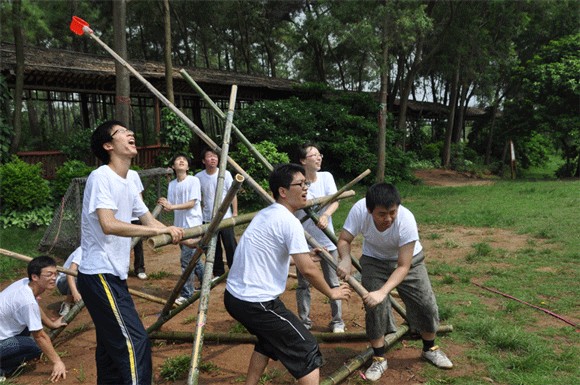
(504, 341)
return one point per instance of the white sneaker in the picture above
(376, 370)
(180, 301)
(338, 329)
(437, 358)
(64, 309)
(142, 275)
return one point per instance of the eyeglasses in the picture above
(301, 184)
(315, 156)
(123, 131)
(49, 274)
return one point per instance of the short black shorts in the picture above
(281, 335)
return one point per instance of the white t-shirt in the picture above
(383, 245)
(75, 257)
(107, 254)
(134, 177)
(323, 186)
(181, 192)
(262, 258)
(208, 192)
(18, 310)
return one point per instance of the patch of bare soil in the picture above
(77, 343)
(450, 178)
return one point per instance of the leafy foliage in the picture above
(22, 186)
(342, 125)
(77, 145)
(248, 198)
(175, 133)
(64, 174)
(37, 217)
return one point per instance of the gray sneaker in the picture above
(377, 368)
(437, 358)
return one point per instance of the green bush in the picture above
(248, 199)
(175, 133)
(77, 145)
(41, 216)
(65, 173)
(22, 187)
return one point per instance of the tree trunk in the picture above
(19, 86)
(446, 161)
(381, 152)
(168, 62)
(123, 85)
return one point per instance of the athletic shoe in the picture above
(180, 301)
(2, 379)
(64, 309)
(338, 329)
(142, 275)
(437, 358)
(376, 370)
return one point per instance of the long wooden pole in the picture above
(134, 292)
(356, 362)
(197, 231)
(220, 113)
(198, 131)
(247, 338)
(210, 256)
(156, 211)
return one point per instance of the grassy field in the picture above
(510, 346)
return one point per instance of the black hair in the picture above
(102, 135)
(36, 265)
(177, 155)
(303, 149)
(206, 150)
(382, 194)
(282, 176)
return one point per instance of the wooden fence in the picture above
(51, 160)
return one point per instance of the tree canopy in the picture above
(517, 60)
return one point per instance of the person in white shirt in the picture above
(208, 179)
(184, 199)
(22, 337)
(258, 277)
(67, 284)
(123, 352)
(321, 184)
(392, 257)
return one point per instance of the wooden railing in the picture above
(51, 160)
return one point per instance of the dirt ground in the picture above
(227, 363)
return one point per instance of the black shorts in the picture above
(281, 335)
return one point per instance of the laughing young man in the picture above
(22, 337)
(392, 258)
(258, 277)
(111, 199)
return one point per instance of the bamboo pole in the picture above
(220, 113)
(210, 256)
(199, 249)
(357, 361)
(134, 292)
(74, 311)
(197, 231)
(198, 131)
(156, 211)
(247, 338)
